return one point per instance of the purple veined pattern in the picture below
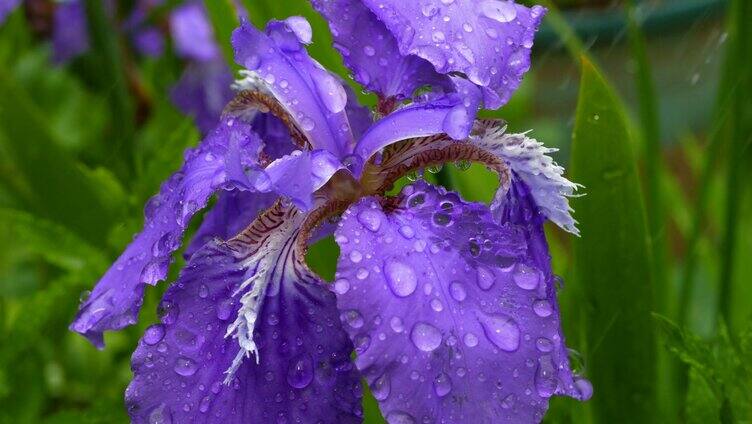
(189, 366)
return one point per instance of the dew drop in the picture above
(341, 286)
(356, 256)
(371, 219)
(442, 385)
(457, 291)
(441, 219)
(300, 371)
(185, 367)
(204, 405)
(508, 402)
(369, 50)
(470, 340)
(542, 308)
(224, 309)
(545, 377)
(584, 388)
(499, 10)
(526, 277)
(485, 278)
(353, 318)
(544, 345)
(416, 200)
(401, 277)
(154, 334)
(203, 291)
(502, 331)
(160, 415)
(425, 337)
(396, 324)
(362, 274)
(399, 417)
(381, 388)
(407, 231)
(436, 305)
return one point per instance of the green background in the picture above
(649, 106)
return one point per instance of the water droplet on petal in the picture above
(436, 305)
(407, 231)
(499, 10)
(369, 50)
(381, 388)
(396, 324)
(371, 219)
(300, 372)
(154, 334)
(399, 417)
(341, 286)
(185, 367)
(356, 256)
(224, 309)
(470, 340)
(160, 415)
(457, 291)
(584, 388)
(203, 291)
(544, 345)
(442, 385)
(331, 92)
(526, 277)
(425, 337)
(542, 308)
(485, 278)
(502, 331)
(508, 402)
(545, 377)
(353, 318)
(401, 277)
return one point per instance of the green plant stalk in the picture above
(224, 20)
(108, 49)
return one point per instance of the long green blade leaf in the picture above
(224, 19)
(611, 262)
(58, 188)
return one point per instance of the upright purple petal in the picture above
(487, 40)
(203, 91)
(370, 51)
(192, 33)
(453, 316)
(70, 36)
(277, 62)
(303, 372)
(217, 163)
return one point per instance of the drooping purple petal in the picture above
(303, 373)
(370, 51)
(453, 316)
(234, 211)
(6, 7)
(192, 33)
(70, 36)
(217, 163)
(314, 98)
(203, 91)
(487, 40)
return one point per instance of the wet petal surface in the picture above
(487, 40)
(370, 51)
(219, 162)
(277, 62)
(453, 315)
(303, 373)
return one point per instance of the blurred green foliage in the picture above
(77, 163)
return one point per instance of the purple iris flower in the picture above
(449, 305)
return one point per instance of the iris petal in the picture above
(453, 315)
(303, 372)
(217, 163)
(312, 96)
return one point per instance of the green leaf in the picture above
(54, 243)
(56, 187)
(224, 19)
(611, 264)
